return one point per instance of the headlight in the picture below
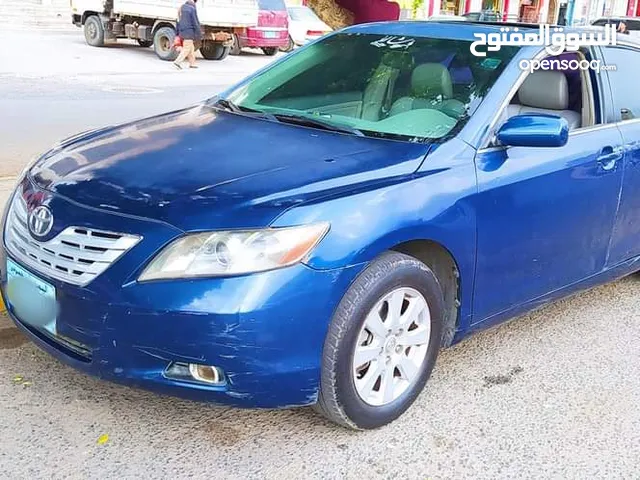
(215, 254)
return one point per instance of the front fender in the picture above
(436, 204)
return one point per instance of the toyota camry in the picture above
(315, 234)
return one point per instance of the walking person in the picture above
(190, 31)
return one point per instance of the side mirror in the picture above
(534, 130)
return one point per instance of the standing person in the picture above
(189, 30)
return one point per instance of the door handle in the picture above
(608, 157)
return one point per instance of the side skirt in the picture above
(606, 276)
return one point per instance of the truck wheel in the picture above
(94, 31)
(145, 43)
(214, 51)
(163, 44)
(270, 51)
(236, 49)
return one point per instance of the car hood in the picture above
(204, 168)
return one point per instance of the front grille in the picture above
(76, 255)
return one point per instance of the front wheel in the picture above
(382, 343)
(163, 44)
(270, 51)
(94, 31)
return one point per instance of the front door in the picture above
(545, 217)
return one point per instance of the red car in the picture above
(271, 33)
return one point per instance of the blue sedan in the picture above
(317, 233)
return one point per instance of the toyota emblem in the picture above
(40, 221)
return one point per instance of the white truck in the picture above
(153, 22)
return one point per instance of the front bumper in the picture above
(265, 331)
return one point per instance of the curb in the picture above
(2, 307)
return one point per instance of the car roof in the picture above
(615, 17)
(453, 29)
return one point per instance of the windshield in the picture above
(403, 88)
(302, 13)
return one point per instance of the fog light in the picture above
(204, 373)
(193, 372)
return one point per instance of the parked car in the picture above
(316, 234)
(484, 16)
(447, 18)
(632, 24)
(304, 27)
(270, 35)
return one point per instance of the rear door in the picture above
(625, 111)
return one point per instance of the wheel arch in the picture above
(158, 24)
(87, 14)
(440, 260)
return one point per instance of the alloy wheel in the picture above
(392, 346)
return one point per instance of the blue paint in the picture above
(534, 130)
(525, 226)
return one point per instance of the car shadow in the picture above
(464, 369)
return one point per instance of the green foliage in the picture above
(415, 6)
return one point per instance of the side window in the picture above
(623, 80)
(562, 89)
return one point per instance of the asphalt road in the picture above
(554, 394)
(58, 86)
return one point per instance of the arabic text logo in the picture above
(555, 42)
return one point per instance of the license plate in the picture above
(32, 300)
(270, 34)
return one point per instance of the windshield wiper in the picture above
(235, 108)
(317, 122)
(287, 117)
(228, 105)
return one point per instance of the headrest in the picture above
(431, 80)
(546, 89)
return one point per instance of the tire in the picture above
(236, 49)
(290, 46)
(163, 44)
(94, 31)
(214, 51)
(145, 43)
(340, 399)
(270, 51)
